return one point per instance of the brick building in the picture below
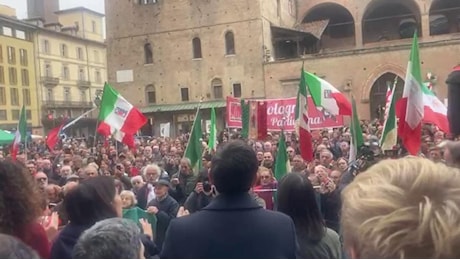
(166, 56)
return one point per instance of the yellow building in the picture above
(71, 67)
(17, 74)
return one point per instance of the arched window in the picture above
(340, 26)
(217, 89)
(390, 20)
(150, 94)
(148, 53)
(196, 42)
(229, 43)
(444, 17)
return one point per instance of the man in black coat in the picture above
(233, 225)
(164, 207)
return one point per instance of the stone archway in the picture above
(377, 98)
(376, 74)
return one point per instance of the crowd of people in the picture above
(110, 201)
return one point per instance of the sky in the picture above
(21, 6)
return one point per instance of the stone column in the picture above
(425, 20)
(358, 35)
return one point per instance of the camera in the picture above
(207, 186)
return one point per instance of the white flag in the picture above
(164, 129)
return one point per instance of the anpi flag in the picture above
(326, 96)
(212, 143)
(21, 133)
(435, 112)
(410, 108)
(282, 165)
(302, 120)
(389, 135)
(118, 117)
(357, 139)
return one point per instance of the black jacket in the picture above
(167, 210)
(231, 227)
(195, 202)
(143, 193)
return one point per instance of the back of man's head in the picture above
(234, 168)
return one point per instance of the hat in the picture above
(72, 177)
(162, 182)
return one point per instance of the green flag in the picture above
(22, 125)
(136, 213)
(212, 143)
(356, 132)
(282, 165)
(193, 150)
(245, 118)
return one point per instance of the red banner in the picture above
(282, 111)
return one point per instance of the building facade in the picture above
(17, 75)
(71, 67)
(172, 57)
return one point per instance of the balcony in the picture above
(49, 104)
(50, 81)
(84, 84)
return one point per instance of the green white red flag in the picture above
(435, 112)
(302, 120)
(21, 133)
(410, 108)
(118, 117)
(327, 96)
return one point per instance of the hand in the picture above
(146, 227)
(51, 227)
(175, 181)
(182, 212)
(199, 187)
(152, 210)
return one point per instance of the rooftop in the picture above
(79, 9)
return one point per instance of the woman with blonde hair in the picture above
(406, 208)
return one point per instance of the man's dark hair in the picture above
(234, 168)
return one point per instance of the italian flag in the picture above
(282, 165)
(326, 96)
(356, 133)
(302, 120)
(212, 143)
(434, 110)
(389, 135)
(193, 149)
(20, 135)
(410, 108)
(118, 117)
